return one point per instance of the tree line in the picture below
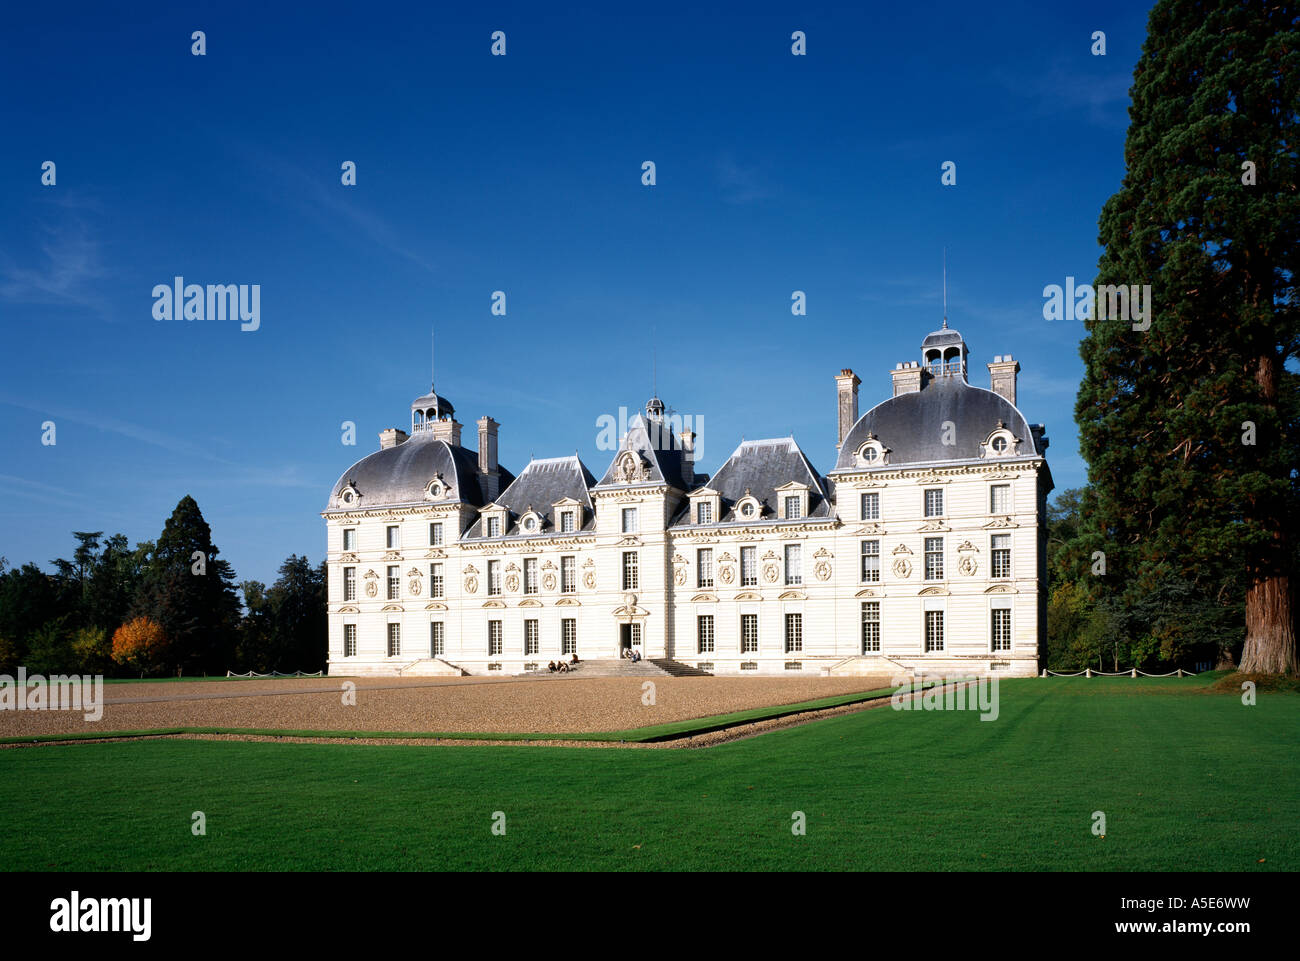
(164, 607)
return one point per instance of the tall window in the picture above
(494, 577)
(568, 574)
(704, 564)
(704, 513)
(394, 582)
(530, 575)
(871, 506)
(394, 640)
(530, 637)
(394, 537)
(436, 584)
(1001, 555)
(437, 639)
(1000, 499)
(704, 633)
(629, 571)
(435, 535)
(870, 562)
(349, 640)
(794, 563)
(569, 636)
(566, 522)
(748, 566)
(494, 638)
(933, 631)
(934, 502)
(749, 633)
(1002, 629)
(630, 520)
(870, 627)
(793, 507)
(349, 583)
(494, 526)
(793, 633)
(349, 538)
(934, 558)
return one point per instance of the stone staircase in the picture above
(621, 667)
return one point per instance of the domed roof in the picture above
(431, 401)
(400, 475)
(944, 337)
(913, 426)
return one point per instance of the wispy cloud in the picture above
(67, 264)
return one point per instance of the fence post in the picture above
(1088, 673)
(1135, 672)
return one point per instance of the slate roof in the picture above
(397, 476)
(662, 451)
(538, 487)
(760, 467)
(942, 338)
(911, 425)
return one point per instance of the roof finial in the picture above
(945, 288)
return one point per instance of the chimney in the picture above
(487, 456)
(446, 429)
(907, 377)
(391, 437)
(1002, 376)
(846, 387)
(688, 458)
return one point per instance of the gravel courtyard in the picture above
(514, 705)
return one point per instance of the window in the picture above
(794, 563)
(349, 538)
(349, 640)
(999, 444)
(747, 509)
(394, 582)
(569, 636)
(494, 578)
(793, 507)
(530, 575)
(530, 637)
(629, 571)
(871, 506)
(793, 633)
(704, 513)
(870, 627)
(748, 566)
(494, 526)
(394, 640)
(435, 535)
(934, 558)
(1000, 499)
(494, 638)
(748, 633)
(704, 633)
(568, 574)
(630, 520)
(437, 640)
(933, 631)
(566, 522)
(435, 580)
(394, 537)
(1001, 555)
(870, 562)
(934, 502)
(1002, 629)
(704, 564)
(349, 583)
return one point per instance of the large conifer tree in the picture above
(1189, 427)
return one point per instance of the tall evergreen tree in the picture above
(192, 597)
(1189, 427)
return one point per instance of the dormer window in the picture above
(1001, 443)
(494, 526)
(793, 507)
(566, 522)
(706, 506)
(704, 513)
(748, 508)
(436, 489)
(793, 500)
(530, 524)
(872, 453)
(349, 496)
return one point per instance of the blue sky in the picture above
(520, 173)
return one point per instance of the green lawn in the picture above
(1188, 781)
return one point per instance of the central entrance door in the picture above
(629, 636)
